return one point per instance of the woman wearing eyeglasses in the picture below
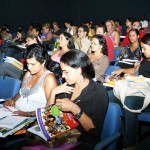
(98, 56)
(80, 95)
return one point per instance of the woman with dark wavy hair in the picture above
(36, 86)
(98, 56)
(66, 43)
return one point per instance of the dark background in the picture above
(23, 12)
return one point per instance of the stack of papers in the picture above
(6, 111)
(11, 121)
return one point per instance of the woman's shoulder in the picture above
(27, 74)
(49, 77)
(96, 86)
(104, 58)
(116, 33)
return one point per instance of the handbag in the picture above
(125, 88)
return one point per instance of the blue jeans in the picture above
(130, 119)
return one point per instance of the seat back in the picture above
(144, 116)
(9, 87)
(112, 122)
(110, 69)
(116, 52)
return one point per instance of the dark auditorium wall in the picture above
(22, 12)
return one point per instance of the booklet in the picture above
(36, 130)
(7, 131)
(53, 122)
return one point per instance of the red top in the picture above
(126, 40)
(110, 47)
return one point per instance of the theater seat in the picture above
(9, 87)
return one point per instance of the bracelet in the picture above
(31, 114)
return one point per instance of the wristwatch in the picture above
(77, 116)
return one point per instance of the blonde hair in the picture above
(112, 23)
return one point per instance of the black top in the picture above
(93, 102)
(145, 68)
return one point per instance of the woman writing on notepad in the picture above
(36, 85)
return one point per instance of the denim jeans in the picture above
(130, 119)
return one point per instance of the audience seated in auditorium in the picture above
(37, 84)
(98, 56)
(101, 29)
(112, 33)
(82, 42)
(81, 96)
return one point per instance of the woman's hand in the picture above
(63, 88)
(21, 113)
(9, 103)
(67, 105)
(117, 72)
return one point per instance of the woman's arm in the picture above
(131, 71)
(26, 114)
(117, 39)
(74, 30)
(69, 106)
(103, 65)
(63, 88)
(12, 101)
(49, 84)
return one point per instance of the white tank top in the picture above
(33, 98)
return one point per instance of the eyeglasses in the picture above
(93, 43)
(65, 72)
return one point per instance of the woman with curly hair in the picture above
(98, 56)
